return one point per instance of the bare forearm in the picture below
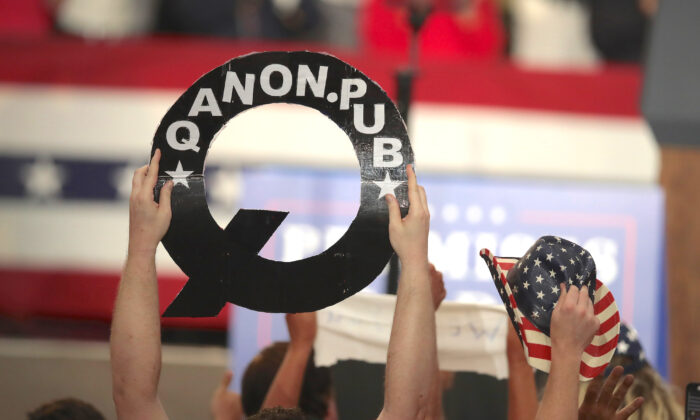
(560, 400)
(412, 351)
(522, 393)
(286, 387)
(135, 337)
(435, 410)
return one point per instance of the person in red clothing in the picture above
(455, 28)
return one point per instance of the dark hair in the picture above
(66, 409)
(258, 376)
(279, 413)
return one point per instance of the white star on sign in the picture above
(179, 175)
(43, 179)
(387, 186)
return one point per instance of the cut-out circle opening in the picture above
(301, 143)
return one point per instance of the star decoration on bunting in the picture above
(225, 187)
(179, 175)
(43, 179)
(387, 186)
(122, 178)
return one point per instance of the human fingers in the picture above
(583, 298)
(423, 200)
(152, 174)
(138, 178)
(165, 194)
(592, 391)
(572, 296)
(394, 211)
(562, 292)
(620, 391)
(629, 409)
(413, 195)
(226, 379)
(609, 386)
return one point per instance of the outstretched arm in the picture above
(573, 326)
(135, 339)
(438, 292)
(286, 387)
(412, 355)
(522, 391)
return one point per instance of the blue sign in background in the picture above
(621, 225)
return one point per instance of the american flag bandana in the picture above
(630, 350)
(529, 288)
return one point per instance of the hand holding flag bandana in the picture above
(529, 288)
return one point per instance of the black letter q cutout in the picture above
(223, 265)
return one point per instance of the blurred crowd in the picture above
(283, 383)
(560, 33)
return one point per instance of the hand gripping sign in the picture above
(223, 265)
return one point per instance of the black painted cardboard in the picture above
(223, 264)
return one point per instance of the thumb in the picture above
(227, 378)
(165, 193)
(393, 205)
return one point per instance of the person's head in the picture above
(65, 409)
(279, 413)
(316, 389)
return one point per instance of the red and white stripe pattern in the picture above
(538, 346)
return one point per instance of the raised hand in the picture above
(302, 328)
(148, 220)
(437, 287)
(572, 328)
(409, 236)
(603, 400)
(574, 323)
(226, 404)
